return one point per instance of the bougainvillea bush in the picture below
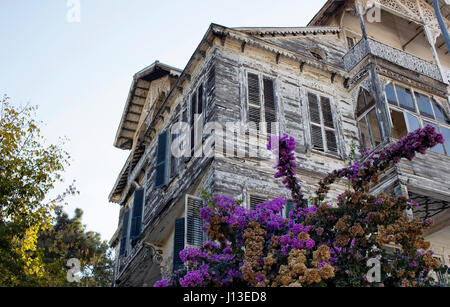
(319, 244)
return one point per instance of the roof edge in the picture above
(145, 72)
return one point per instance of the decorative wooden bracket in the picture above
(302, 66)
(243, 46)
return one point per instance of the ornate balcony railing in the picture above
(393, 55)
(123, 262)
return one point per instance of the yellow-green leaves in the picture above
(28, 171)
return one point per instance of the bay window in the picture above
(411, 110)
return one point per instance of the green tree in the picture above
(28, 171)
(67, 239)
(37, 237)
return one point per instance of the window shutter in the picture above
(173, 159)
(256, 200)
(194, 234)
(316, 138)
(136, 220)
(193, 112)
(161, 160)
(200, 100)
(326, 111)
(254, 101)
(185, 119)
(178, 243)
(124, 237)
(314, 108)
(331, 141)
(269, 105)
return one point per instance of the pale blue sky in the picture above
(80, 73)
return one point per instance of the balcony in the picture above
(396, 56)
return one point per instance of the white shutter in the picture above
(194, 234)
(254, 100)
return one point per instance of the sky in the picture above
(79, 73)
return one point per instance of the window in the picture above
(323, 133)
(255, 200)
(161, 159)
(194, 224)
(411, 110)
(196, 108)
(124, 236)
(136, 218)
(366, 115)
(261, 102)
(178, 243)
(173, 159)
(405, 98)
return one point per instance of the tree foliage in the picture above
(319, 244)
(36, 237)
(28, 171)
(67, 239)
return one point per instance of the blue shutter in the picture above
(161, 160)
(123, 240)
(136, 220)
(178, 243)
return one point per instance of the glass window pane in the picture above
(374, 127)
(398, 124)
(390, 93)
(424, 105)
(440, 116)
(365, 136)
(438, 148)
(405, 98)
(413, 122)
(446, 133)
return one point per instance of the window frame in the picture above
(322, 125)
(421, 118)
(365, 115)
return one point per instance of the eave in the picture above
(325, 12)
(136, 100)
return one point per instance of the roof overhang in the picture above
(136, 101)
(287, 30)
(325, 12)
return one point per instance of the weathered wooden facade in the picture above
(356, 73)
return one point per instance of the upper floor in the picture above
(314, 83)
